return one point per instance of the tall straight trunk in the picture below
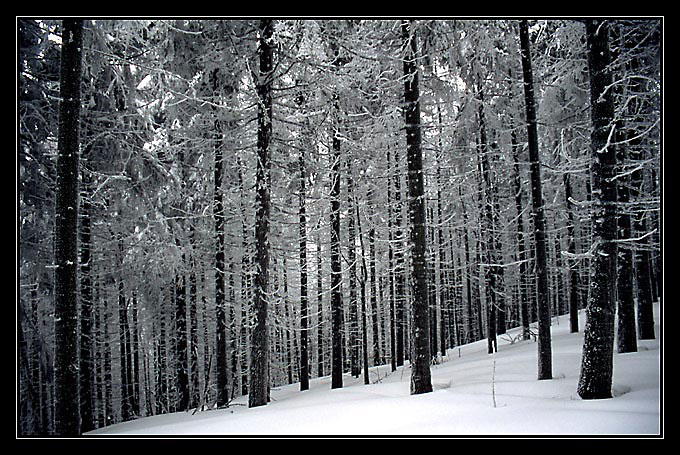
(432, 280)
(108, 375)
(468, 281)
(626, 331)
(574, 281)
(289, 341)
(351, 258)
(246, 285)
(195, 390)
(100, 419)
(641, 252)
(220, 309)
(645, 315)
(336, 269)
(259, 349)
(304, 355)
(233, 338)
(597, 361)
(363, 279)
(134, 358)
(161, 378)
(446, 316)
(87, 418)
(543, 306)
(421, 381)
(373, 297)
(390, 259)
(337, 315)
(67, 413)
(399, 269)
(499, 272)
(124, 346)
(521, 250)
(181, 351)
(488, 230)
(319, 307)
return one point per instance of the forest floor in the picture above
(474, 394)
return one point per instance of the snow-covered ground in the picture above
(461, 404)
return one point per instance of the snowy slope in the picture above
(461, 404)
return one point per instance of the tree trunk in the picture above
(67, 413)
(574, 281)
(351, 258)
(390, 268)
(304, 356)
(420, 374)
(319, 301)
(259, 353)
(181, 351)
(86, 339)
(220, 309)
(543, 306)
(336, 269)
(521, 250)
(597, 361)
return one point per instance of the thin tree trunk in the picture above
(574, 281)
(521, 250)
(220, 309)
(319, 306)
(390, 259)
(351, 257)
(543, 307)
(304, 356)
(86, 339)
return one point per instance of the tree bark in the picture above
(543, 306)
(595, 380)
(67, 414)
(304, 356)
(421, 381)
(220, 309)
(259, 353)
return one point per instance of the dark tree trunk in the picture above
(304, 356)
(67, 413)
(420, 374)
(195, 396)
(390, 263)
(134, 359)
(87, 418)
(246, 283)
(181, 351)
(220, 309)
(641, 253)
(488, 230)
(399, 267)
(124, 346)
(521, 250)
(471, 336)
(597, 361)
(259, 353)
(353, 328)
(336, 269)
(374, 298)
(574, 281)
(319, 300)
(364, 320)
(543, 306)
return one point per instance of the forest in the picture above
(208, 209)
